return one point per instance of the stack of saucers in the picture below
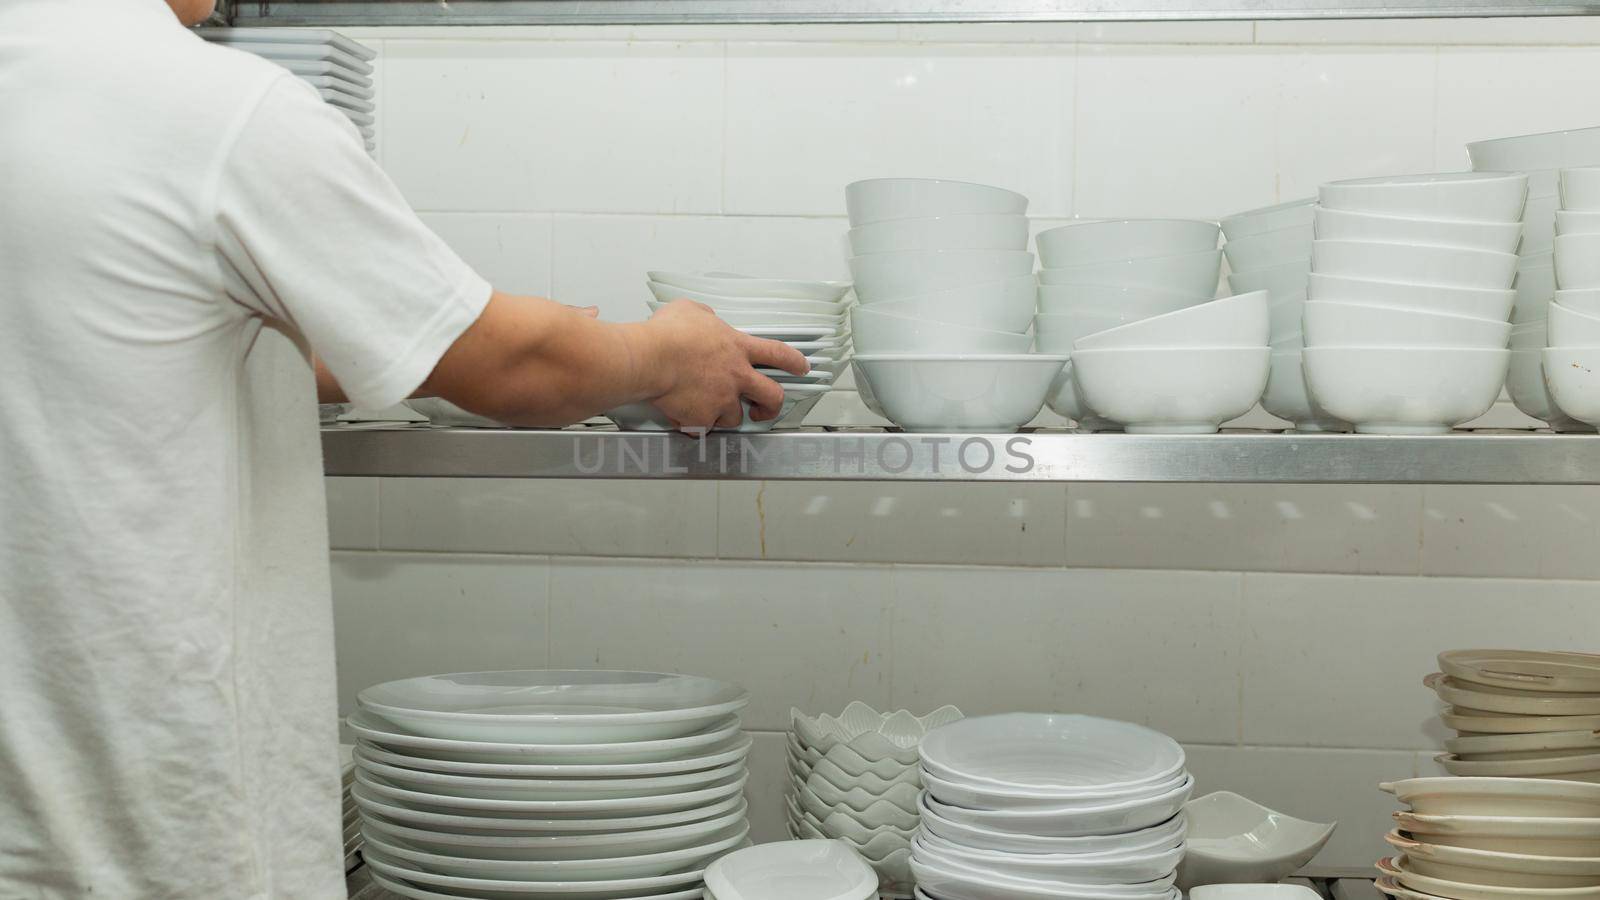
(809, 316)
(340, 69)
(1521, 713)
(1099, 275)
(1034, 805)
(537, 784)
(944, 331)
(1572, 353)
(1406, 327)
(854, 778)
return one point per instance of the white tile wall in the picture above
(511, 250)
(1501, 531)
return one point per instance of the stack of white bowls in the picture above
(1102, 274)
(1572, 354)
(792, 870)
(810, 316)
(943, 334)
(1494, 839)
(1540, 157)
(854, 778)
(544, 783)
(1032, 805)
(337, 68)
(1521, 713)
(1406, 322)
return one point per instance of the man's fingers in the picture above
(765, 396)
(778, 355)
(732, 416)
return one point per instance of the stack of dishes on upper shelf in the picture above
(338, 68)
(1406, 322)
(1572, 351)
(1269, 249)
(1030, 805)
(944, 331)
(1101, 275)
(529, 785)
(792, 870)
(855, 778)
(1521, 713)
(1541, 157)
(809, 316)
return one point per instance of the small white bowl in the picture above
(1133, 302)
(995, 306)
(1081, 243)
(1577, 261)
(1570, 328)
(1580, 188)
(1271, 248)
(1526, 152)
(1185, 390)
(883, 199)
(1280, 281)
(878, 332)
(1414, 264)
(960, 393)
(724, 284)
(1405, 390)
(1279, 216)
(1531, 393)
(1233, 840)
(1442, 796)
(1573, 379)
(1287, 398)
(1586, 301)
(1474, 302)
(1577, 221)
(984, 232)
(1334, 324)
(1345, 225)
(1462, 196)
(1238, 321)
(907, 273)
(874, 736)
(1183, 273)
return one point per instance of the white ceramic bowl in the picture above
(1238, 321)
(1577, 261)
(1497, 797)
(792, 870)
(1332, 324)
(1081, 243)
(1269, 218)
(1077, 821)
(1474, 302)
(877, 332)
(1051, 755)
(1184, 273)
(1574, 382)
(1270, 248)
(1586, 301)
(1187, 390)
(1280, 281)
(725, 284)
(1526, 152)
(1345, 225)
(1530, 391)
(960, 393)
(1287, 398)
(875, 736)
(1405, 390)
(995, 306)
(1233, 840)
(984, 232)
(1469, 196)
(1575, 221)
(1165, 834)
(1112, 869)
(1129, 303)
(908, 273)
(1570, 328)
(1535, 835)
(1580, 188)
(883, 199)
(1414, 264)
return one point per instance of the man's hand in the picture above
(708, 366)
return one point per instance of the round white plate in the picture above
(1042, 755)
(594, 845)
(418, 893)
(466, 824)
(603, 759)
(978, 837)
(511, 889)
(555, 706)
(648, 865)
(792, 870)
(497, 788)
(558, 809)
(731, 751)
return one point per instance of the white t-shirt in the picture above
(179, 225)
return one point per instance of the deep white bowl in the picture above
(1188, 390)
(1572, 375)
(1279, 281)
(1134, 302)
(960, 393)
(1469, 196)
(1183, 273)
(1577, 261)
(1235, 840)
(1569, 328)
(1529, 389)
(1577, 221)
(879, 332)
(1289, 214)
(1271, 248)
(1077, 821)
(1287, 398)
(1584, 301)
(907, 273)
(1527, 152)
(1580, 188)
(1334, 324)
(1081, 243)
(1475, 302)
(1346, 225)
(792, 870)
(1414, 264)
(983, 232)
(1405, 390)
(883, 199)
(996, 306)
(1238, 321)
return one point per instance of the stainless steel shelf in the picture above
(1050, 456)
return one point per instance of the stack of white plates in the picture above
(810, 316)
(1030, 805)
(340, 69)
(792, 870)
(1573, 330)
(1494, 838)
(538, 784)
(854, 778)
(1521, 713)
(1101, 275)
(1405, 326)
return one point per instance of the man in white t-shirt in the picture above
(181, 227)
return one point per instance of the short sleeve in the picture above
(311, 231)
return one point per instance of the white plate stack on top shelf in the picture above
(944, 330)
(532, 785)
(338, 68)
(792, 870)
(1572, 352)
(809, 316)
(1099, 275)
(1406, 323)
(855, 778)
(1521, 713)
(1540, 157)
(1032, 805)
